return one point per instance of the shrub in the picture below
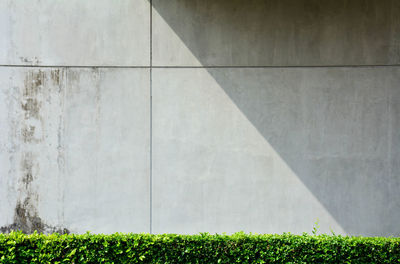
(203, 248)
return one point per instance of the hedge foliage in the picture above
(203, 248)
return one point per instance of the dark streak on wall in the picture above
(26, 216)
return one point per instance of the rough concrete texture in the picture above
(107, 150)
(75, 32)
(74, 150)
(275, 32)
(273, 150)
(238, 147)
(31, 153)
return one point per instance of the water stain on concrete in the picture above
(33, 83)
(26, 216)
(55, 76)
(31, 61)
(27, 169)
(27, 221)
(31, 107)
(28, 133)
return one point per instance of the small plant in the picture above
(316, 227)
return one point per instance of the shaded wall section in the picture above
(276, 32)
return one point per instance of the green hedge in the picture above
(203, 248)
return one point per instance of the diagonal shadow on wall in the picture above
(336, 127)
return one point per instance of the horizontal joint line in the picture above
(200, 67)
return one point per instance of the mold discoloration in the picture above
(32, 104)
(27, 179)
(28, 222)
(32, 61)
(28, 134)
(55, 76)
(33, 83)
(32, 132)
(58, 78)
(27, 169)
(26, 216)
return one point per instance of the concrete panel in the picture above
(31, 153)
(273, 150)
(107, 135)
(74, 150)
(275, 32)
(75, 32)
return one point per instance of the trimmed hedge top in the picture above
(203, 248)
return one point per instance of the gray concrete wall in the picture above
(191, 116)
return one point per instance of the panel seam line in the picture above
(151, 117)
(197, 67)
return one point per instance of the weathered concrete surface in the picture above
(107, 139)
(74, 150)
(31, 153)
(75, 32)
(263, 150)
(275, 32)
(273, 150)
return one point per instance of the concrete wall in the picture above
(191, 116)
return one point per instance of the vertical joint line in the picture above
(151, 116)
